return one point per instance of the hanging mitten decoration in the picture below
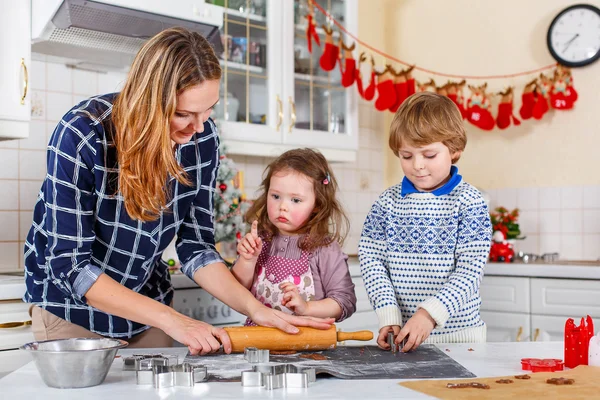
(386, 93)
(428, 86)
(311, 27)
(400, 88)
(570, 92)
(542, 91)
(349, 72)
(528, 99)
(478, 110)
(562, 96)
(454, 91)
(331, 53)
(369, 92)
(505, 110)
(410, 81)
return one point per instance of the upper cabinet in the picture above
(15, 59)
(274, 95)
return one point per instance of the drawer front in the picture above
(506, 327)
(545, 328)
(571, 297)
(11, 360)
(13, 338)
(358, 322)
(510, 294)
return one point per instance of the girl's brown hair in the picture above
(169, 63)
(426, 118)
(328, 222)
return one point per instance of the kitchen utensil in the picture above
(276, 340)
(541, 365)
(577, 341)
(74, 363)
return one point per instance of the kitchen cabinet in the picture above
(15, 47)
(274, 95)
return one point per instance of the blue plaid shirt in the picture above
(81, 228)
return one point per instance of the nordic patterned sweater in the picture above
(428, 250)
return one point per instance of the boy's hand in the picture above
(250, 246)
(382, 339)
(292, 299)
(416, 330)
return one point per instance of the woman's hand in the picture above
(266, 316)
(292, 299)
(382, 339)
(250, 245)
(200, 337)
(416, 329)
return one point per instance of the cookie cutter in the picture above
(276, 376)
(393, 346)
(254, 355)
(542, 365)
(138, 362)
(164, 376)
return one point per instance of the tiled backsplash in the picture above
(556, 219)
(56, 88)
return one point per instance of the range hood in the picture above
(108, 33)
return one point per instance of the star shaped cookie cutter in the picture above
(276, 376)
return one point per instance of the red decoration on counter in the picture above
(541, 365)
(501, 250)
(577, 341)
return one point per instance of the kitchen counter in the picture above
(485, 360)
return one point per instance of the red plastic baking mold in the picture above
(541, 365)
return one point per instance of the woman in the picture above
(126, 172)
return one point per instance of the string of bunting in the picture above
(388, 87)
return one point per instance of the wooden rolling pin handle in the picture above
(358, 335)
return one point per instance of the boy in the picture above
(425, 241)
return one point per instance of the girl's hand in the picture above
(251, 245)
(200, 337)
(417, 328)
(265, 316)
(382, 339)
(292, 299)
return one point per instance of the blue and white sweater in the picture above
(428, 250)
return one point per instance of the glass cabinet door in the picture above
(248, 78)
(318, 106)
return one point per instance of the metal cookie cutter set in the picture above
(275, 376)
(254, 355)
(163, 370)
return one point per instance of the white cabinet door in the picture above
(15, 50)
(574, 297)
(319, 111)
(510, 294)
(548, 328)
(506, 327)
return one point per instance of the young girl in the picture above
(292, 260)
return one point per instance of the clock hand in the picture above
(570, 41)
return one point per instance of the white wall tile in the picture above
(591, 221)
(351, 244)
(531, 244)
(38, 75)
(528, 198)
(37, 136)
(8, 163)
(10, 256)
(253, 172)
(9, 195)
(111, 82)
(571, 247)
(59, 78)
(58, 105)
(28, 192)
(571, 221)
(363, 138)
(591, 247)
(571, 197)
(550, 198)
(591, 197)
(529, 222)
(21, 256)
(377, 161)
(50, 126)
(25, 220)
(9, 221)
(9, 144)
(507, 198)
(32, 164)
(85, 82)
(38, 105)
(549, 222)
(550, 243)
(351, 180)
(364, 159)
(350, 201)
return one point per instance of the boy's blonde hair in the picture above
(426, 118)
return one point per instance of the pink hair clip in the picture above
(327, 179)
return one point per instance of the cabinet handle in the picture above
(519, 333)
(25, 81)
(536, 334)
(7, 325)
(279, 113)
(293, 114)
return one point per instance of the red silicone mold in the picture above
(541, 365)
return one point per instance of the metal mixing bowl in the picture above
(74, 363)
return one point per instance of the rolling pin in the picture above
(276, 340)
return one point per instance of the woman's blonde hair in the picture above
(169, 63)
(328, 222)
(426, 118)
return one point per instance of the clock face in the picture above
(574, 36)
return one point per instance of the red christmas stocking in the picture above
(560, 102)
(370, 90)
(349, 73)
(504, 114)
(311, 32)
(410, 87)
(331, 53)
(540, 108)
(386, 91)
(515, 120)
(528, 100)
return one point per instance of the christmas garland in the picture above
(389, 87)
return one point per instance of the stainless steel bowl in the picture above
(74, 363)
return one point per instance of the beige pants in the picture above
(47, 326)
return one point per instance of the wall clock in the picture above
(574, 35)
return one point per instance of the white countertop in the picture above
(487, 360)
